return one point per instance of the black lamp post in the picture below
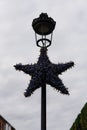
(43, 26)
(44, 71)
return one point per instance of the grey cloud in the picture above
(17, 44)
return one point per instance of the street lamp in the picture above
(43, 25)
(44, 71)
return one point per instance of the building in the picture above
(5, 125)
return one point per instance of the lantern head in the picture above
(43, 26)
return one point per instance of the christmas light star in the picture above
(44, 72)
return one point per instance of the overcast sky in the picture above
(17, 45)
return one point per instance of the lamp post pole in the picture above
(43, 107)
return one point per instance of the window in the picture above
(8, 127)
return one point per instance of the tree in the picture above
(81, 120)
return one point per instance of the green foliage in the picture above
(81, 120)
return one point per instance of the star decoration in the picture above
(44, 72)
